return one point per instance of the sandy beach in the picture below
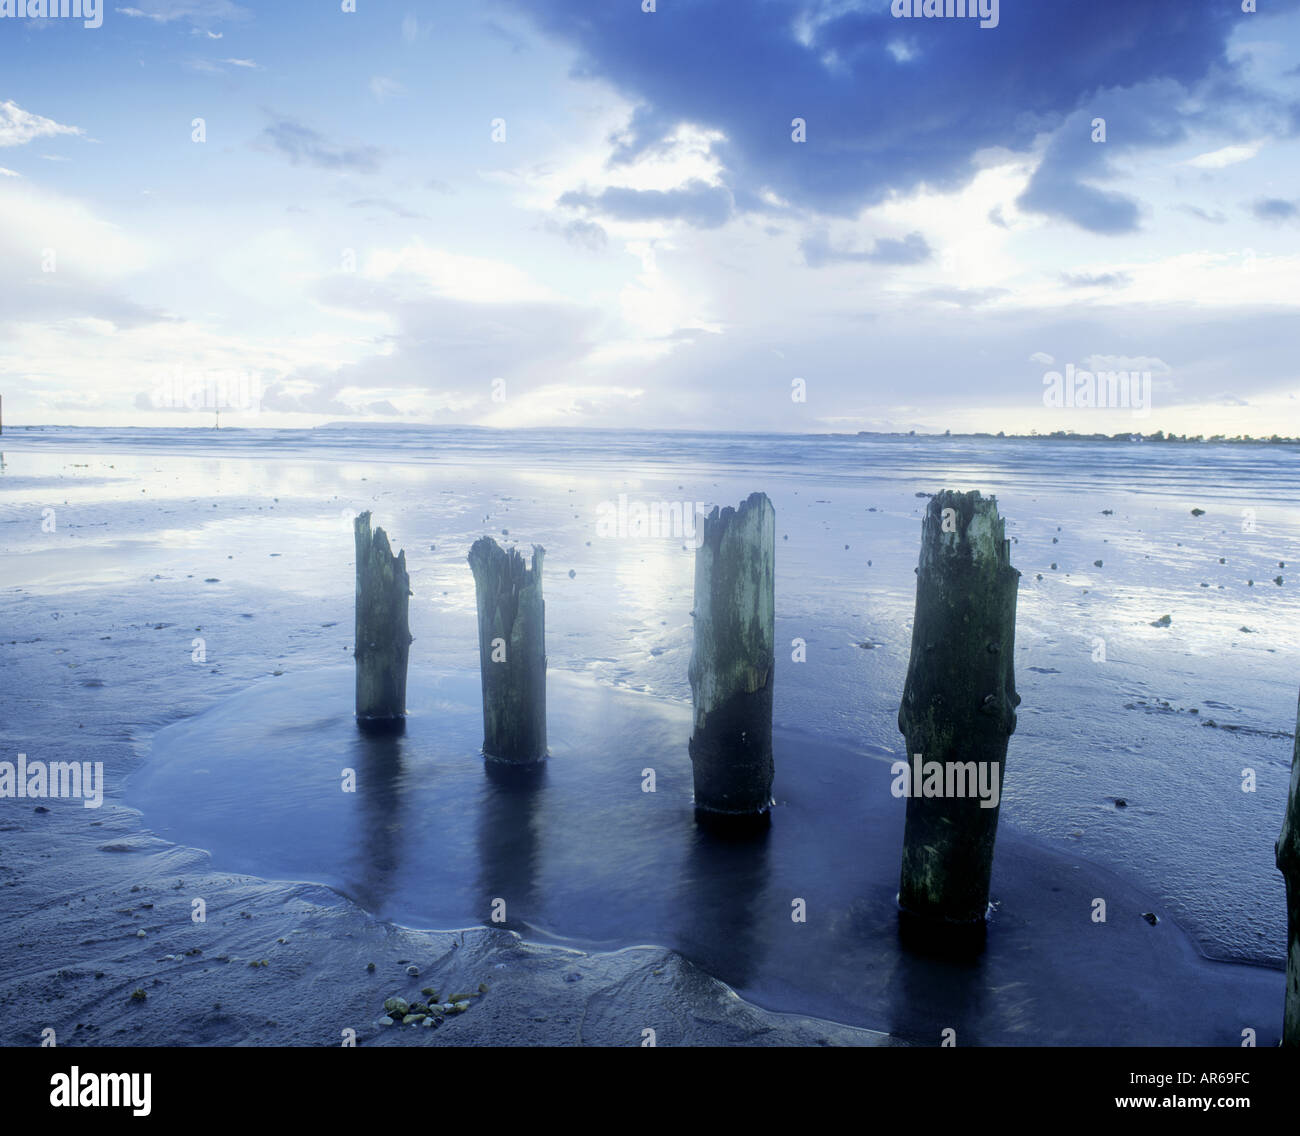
(197, 593)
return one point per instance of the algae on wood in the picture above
(383, 636)
(512, 650)
(959, 704)
(733, 659)
(1287, 853)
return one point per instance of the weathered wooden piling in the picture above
(958, 710)
(734, 659)
(1287, 853)
(512, 651)
(383, 636)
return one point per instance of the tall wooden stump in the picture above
(959, 707)
(512, 651)
(383, 636)
(734, 659)
(1287, 851)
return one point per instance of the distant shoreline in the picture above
(1158, 436)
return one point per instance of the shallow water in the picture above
(239, 531)
(434, 836)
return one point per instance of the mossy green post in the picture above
(734, 659)
(383, 636)
(512, 651)
(1287, 851)
(959, 703)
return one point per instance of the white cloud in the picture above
(18, 126)
(198, 11)
(1152, 363)
(1228, 156)
(476, 279)
(563, 404)
(383, 87)
(88, 246)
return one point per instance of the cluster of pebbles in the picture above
(429, 1012)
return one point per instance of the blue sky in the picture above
(582, 213)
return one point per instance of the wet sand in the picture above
(253, 556)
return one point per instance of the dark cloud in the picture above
(1147, 115)
(964, 297)
(304, 146)
(586, 234)
(875, 124)
(1275, 209)
(912, 249)
(1203, 214)
(1100, 280)
(42, 298)
(697, 203)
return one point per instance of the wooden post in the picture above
(512, 651)
(383, 636)
(733, 660)
(958, 710)
(1287, 853)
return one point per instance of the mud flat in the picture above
(185, 587)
